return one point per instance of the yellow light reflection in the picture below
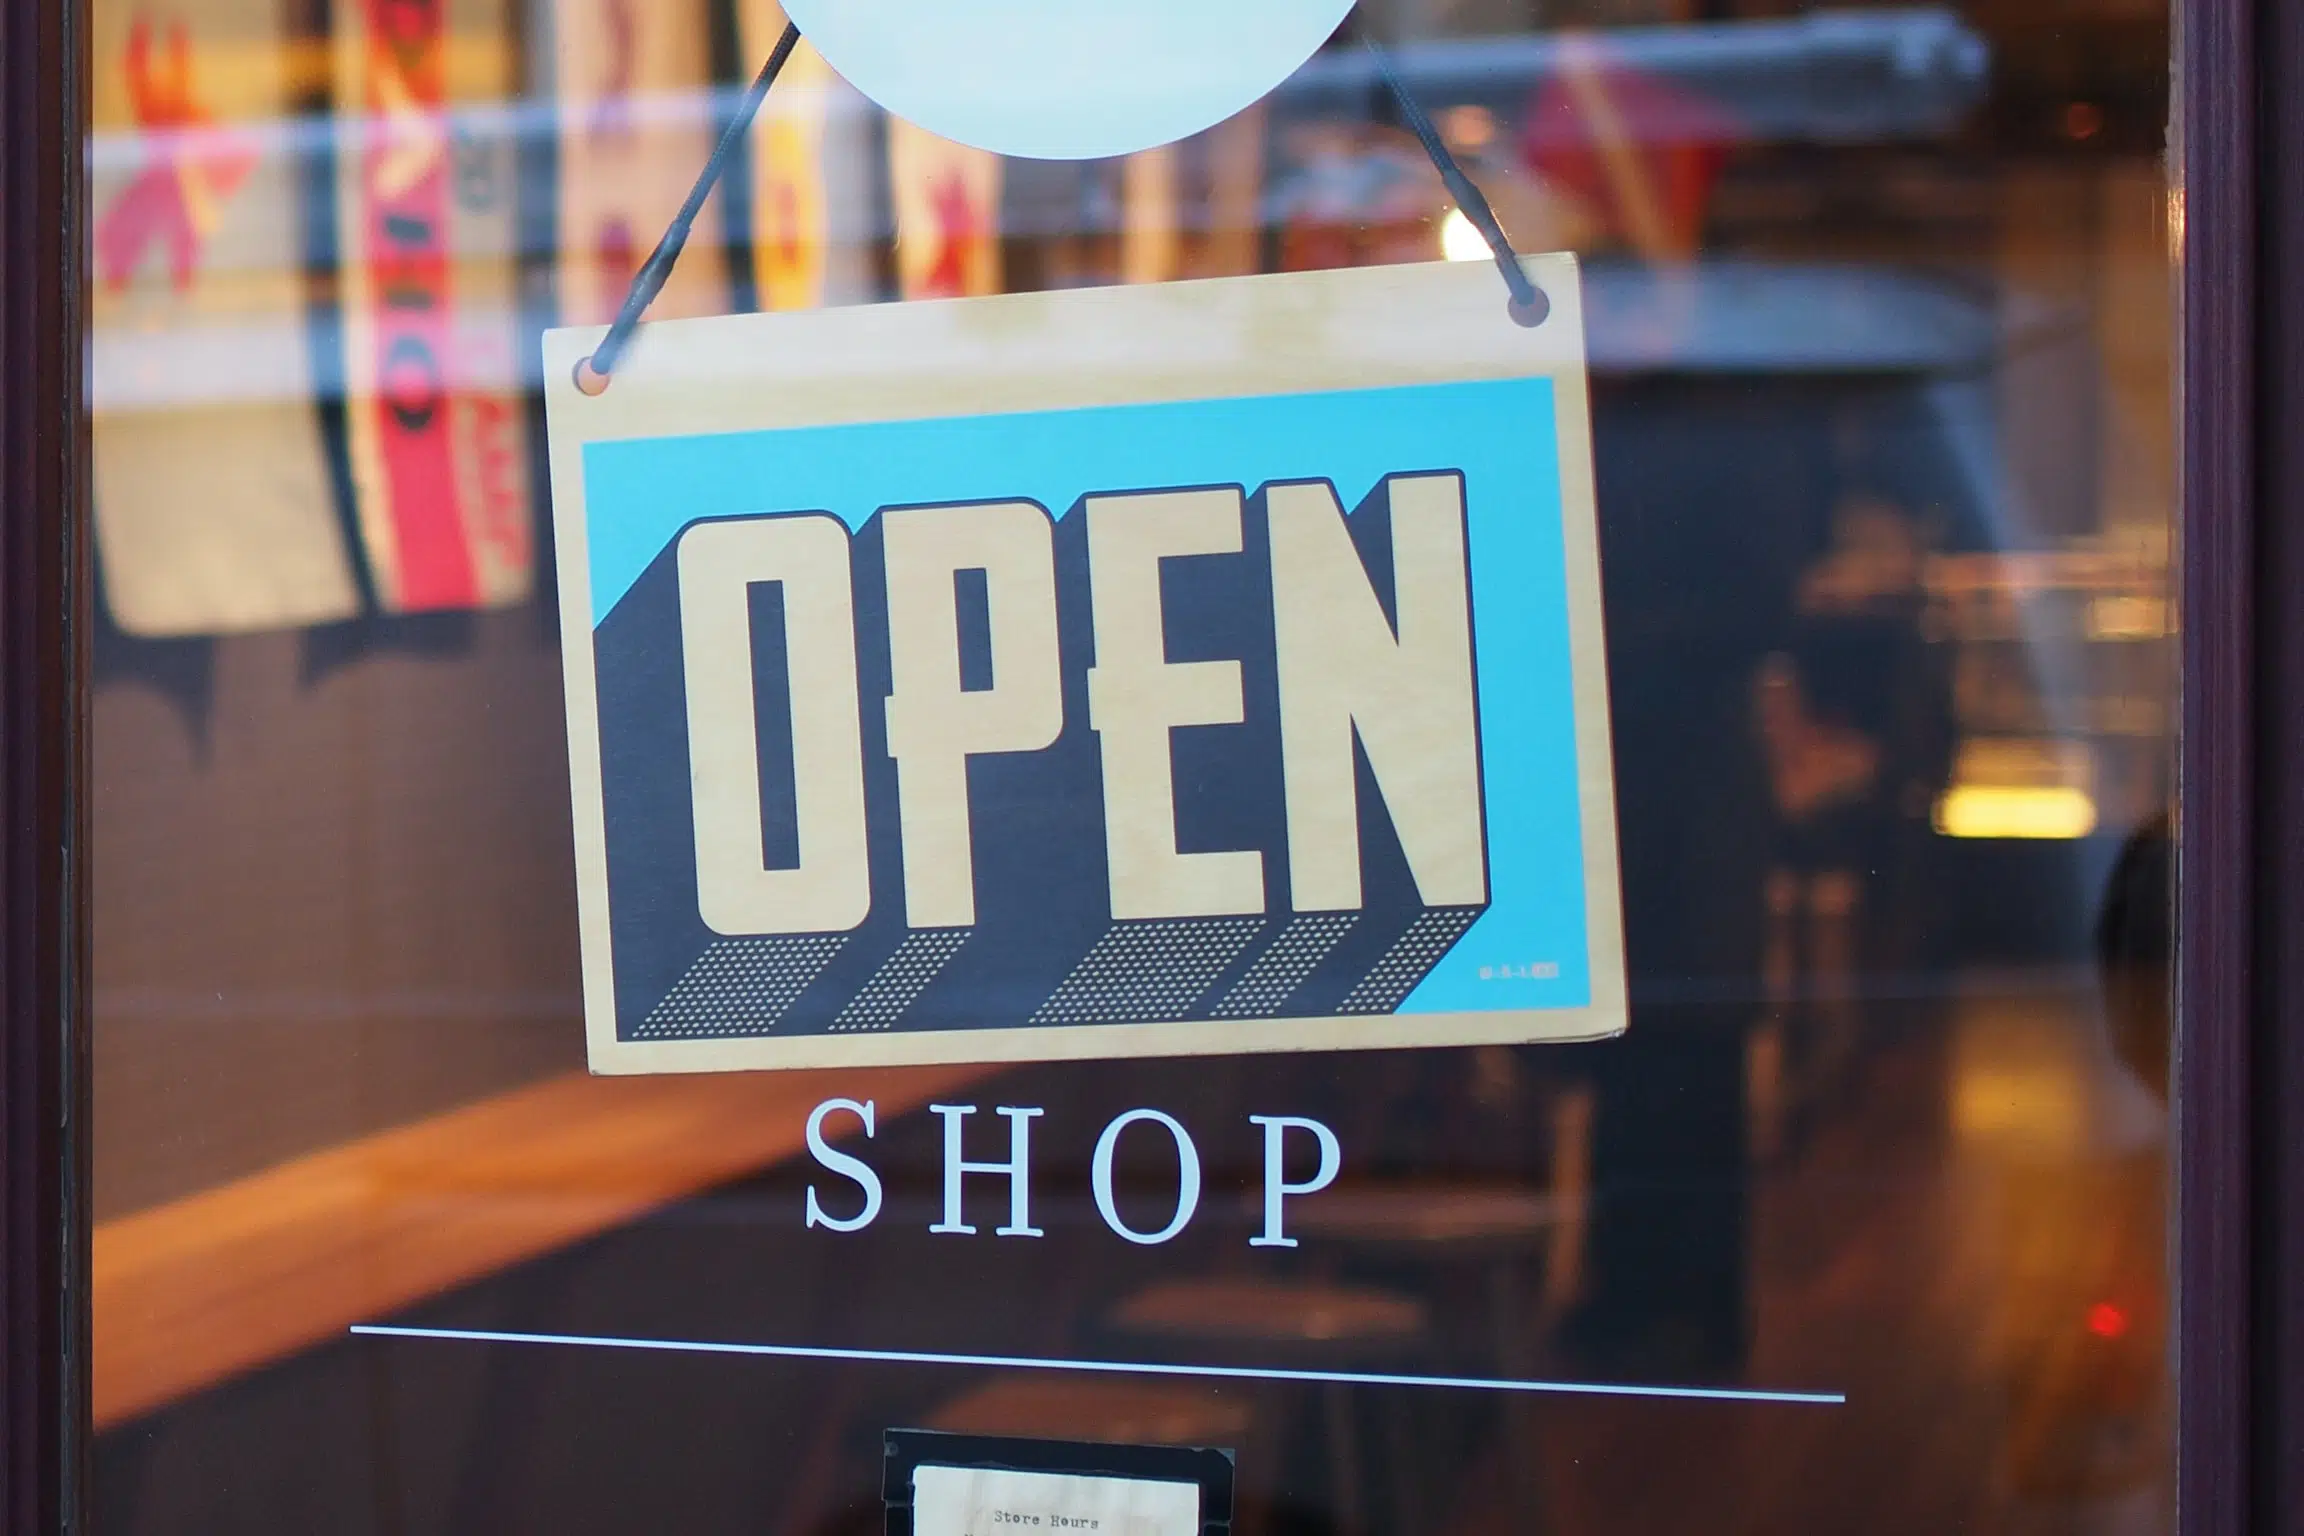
(2009, 810)
(1460, 238)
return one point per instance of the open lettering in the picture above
(1179, 756)
(1352, 668)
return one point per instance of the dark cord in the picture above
(649, 280)
(1528, 306)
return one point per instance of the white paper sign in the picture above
(988, 1501)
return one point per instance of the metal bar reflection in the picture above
(1832, 76)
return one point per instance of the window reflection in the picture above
(1880, 349)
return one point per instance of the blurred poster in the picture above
(1639, 154)
(1354, 194)
(213, 505)
(1233, 154)
(789, 173)
(427, 239)
(788, 231)
(636, 126)
(947, 200)
(1151, 224)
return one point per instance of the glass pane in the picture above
(1857, 1225)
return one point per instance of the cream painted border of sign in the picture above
(1303, 332)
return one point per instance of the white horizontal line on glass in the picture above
(1105, 1367)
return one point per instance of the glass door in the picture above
(1821, 1181)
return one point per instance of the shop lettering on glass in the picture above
(1285, 1138)
(1166, 726)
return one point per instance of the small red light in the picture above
(2107, 1321)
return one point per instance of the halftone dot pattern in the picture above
(1415, 952)
(1148, 969)
(740, 986)
(902, 977)
(1279, 971)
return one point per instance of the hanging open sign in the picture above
(1190, 668)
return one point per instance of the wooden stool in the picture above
(1504, 1229)
(1300, 1316)
(1313, 1325)
(1419, 1213)
(1063, 1406)
(1501, 1230)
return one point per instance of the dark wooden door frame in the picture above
(43, 758)
(2277, 1298)
(2239, 1182)
(2239, 1249)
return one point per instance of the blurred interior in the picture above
(1880, 344)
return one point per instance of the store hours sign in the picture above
(1188, 668)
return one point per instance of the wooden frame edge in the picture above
(2274, 1357)
(43, 770)
(2214, 137)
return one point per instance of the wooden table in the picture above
(200, 1289)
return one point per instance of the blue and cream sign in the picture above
(1194, 668)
